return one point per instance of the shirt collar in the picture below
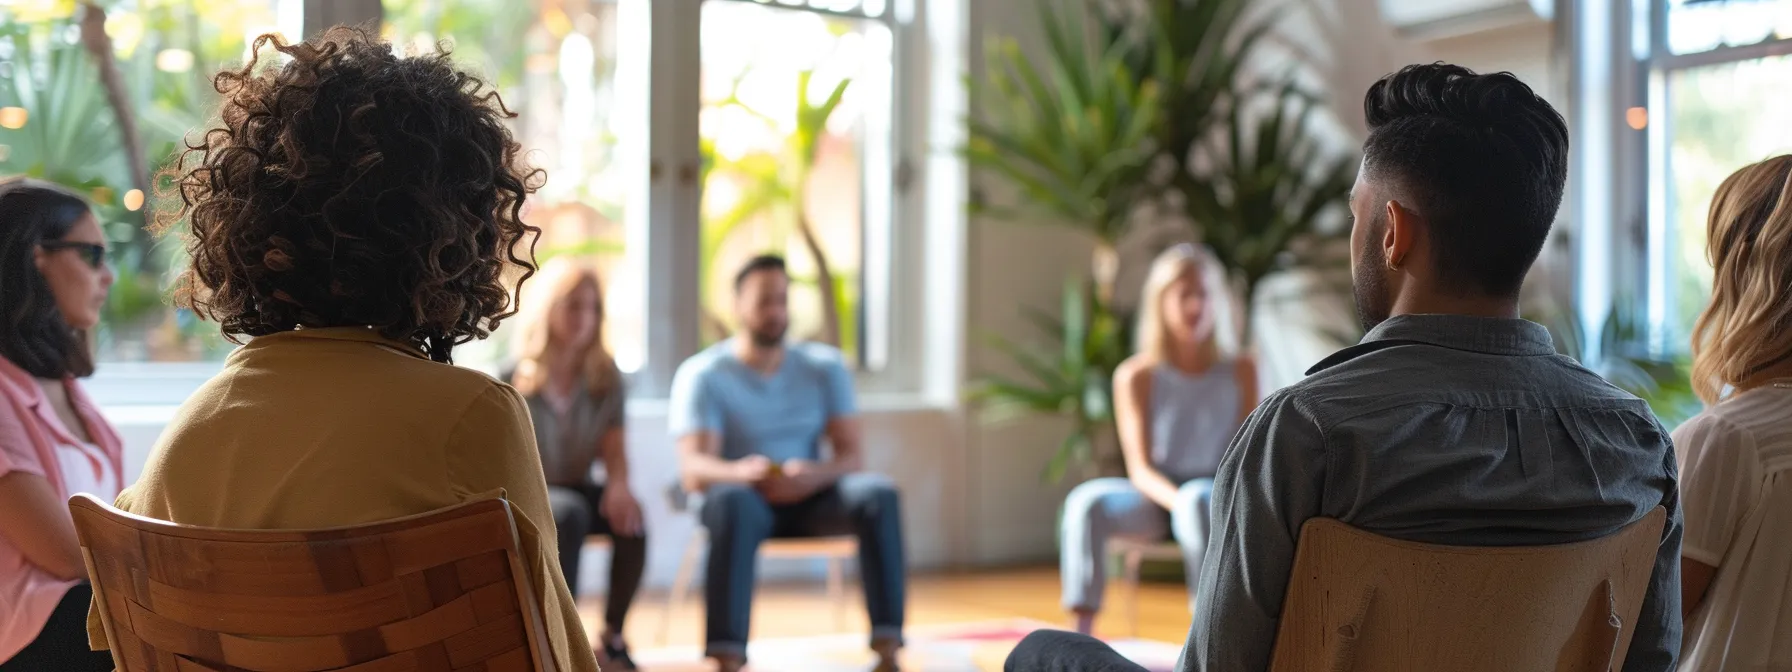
(1504, 336)
(361, 334)
(18, 384)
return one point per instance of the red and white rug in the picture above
(963, 647)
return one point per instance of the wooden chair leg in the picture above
(837, 589)
(1133, 558)
(681, 586)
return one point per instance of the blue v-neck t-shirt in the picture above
(781, 416)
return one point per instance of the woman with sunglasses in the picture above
(53, 442)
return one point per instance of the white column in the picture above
(1608, 164)
(672, 228)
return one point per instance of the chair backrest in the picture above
(437, 591)
(1358, 601)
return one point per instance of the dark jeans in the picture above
(62, 644)
(575, 516)
(739, 519)
(1060, 651)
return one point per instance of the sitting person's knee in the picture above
(1094, 499)
(569, 508)
(875, 486)
(734, 503)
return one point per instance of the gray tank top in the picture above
(1193, 418)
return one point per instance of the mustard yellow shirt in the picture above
(329, 427)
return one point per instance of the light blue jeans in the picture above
(1106, 508)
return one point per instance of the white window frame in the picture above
(891, 308)
(1663, 245)
(664, 217)
(1620, 187)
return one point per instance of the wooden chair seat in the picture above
(836, 551)
(444, 590)
(1358, 601)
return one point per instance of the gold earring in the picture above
(1393, 265)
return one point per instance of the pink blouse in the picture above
(30, 433)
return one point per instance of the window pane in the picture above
(579, 118)
(1723, 117)
(1703, 25)
(65, 130)
(796, 137)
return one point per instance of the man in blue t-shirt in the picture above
(750, 415)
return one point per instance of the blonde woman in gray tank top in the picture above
(1177, 403)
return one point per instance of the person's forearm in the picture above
(702, 471)
(844, 462)
(615, 462)
(1154, 485)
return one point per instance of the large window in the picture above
(1720, 69)
(1721, 117)
(1695, 26)
(557, 65)
(59, 124)
(795, 131)
(796, 140)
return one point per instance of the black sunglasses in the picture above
(92, 253)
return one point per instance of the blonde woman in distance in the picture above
(578, 404)
(1177, 403)
(1736, 457)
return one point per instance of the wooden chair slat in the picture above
(281, 615)
(185, 664)
(489, 606)
(168, 636)
(439, 624)
(809, 547)
(482, 570)
(486, 641)
(413, 550)
(514, 660)
(403, 661)
(438, 591)
(248, 585)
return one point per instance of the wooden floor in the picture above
(804, 610)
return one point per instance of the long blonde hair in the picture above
(1153, 335)
(1748, 325)
(556, 281)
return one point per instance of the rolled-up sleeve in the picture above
(1269, 483)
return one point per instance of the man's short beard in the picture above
(767, 341)
(1369, 283)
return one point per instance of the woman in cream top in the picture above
(1736, 457)
(356, 214)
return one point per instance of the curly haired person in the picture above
(354, 213)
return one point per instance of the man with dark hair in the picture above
(1453, 421)
(750, 414)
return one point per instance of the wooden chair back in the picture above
(444, 590)
(1358, 601)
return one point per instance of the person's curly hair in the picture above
(353, 186)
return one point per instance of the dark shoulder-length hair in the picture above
(33, 333)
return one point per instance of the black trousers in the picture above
(62, 644)
(1060, 651)
(576, 514)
